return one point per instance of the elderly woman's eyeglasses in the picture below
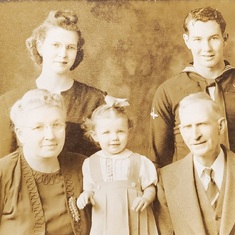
(57, 126)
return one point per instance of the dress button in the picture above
(133, 185)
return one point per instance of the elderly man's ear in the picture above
(222, 125)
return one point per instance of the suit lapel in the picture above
(228, 213)
(186, 195)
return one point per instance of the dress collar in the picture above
(124, 154)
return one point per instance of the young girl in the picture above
(119, 184)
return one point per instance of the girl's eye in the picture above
(38, 128)
(56, 44)
(71, 47)
(57, 125)
(105, 132)
(120, 131)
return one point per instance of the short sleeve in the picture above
(148, 173)
(88, 183)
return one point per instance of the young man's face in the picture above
(206, 42)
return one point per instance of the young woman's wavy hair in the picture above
(65, 19)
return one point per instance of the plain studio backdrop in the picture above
(130, 47)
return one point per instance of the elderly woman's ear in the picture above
(18, 132)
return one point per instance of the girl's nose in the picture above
(114, 136)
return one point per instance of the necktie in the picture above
(212, 191)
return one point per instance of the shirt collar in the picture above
(217, 166)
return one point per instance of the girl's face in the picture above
(58, 50)
(42, 132)
(112, 134)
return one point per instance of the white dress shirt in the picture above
(218, 170)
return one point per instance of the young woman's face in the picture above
(58, 50)
(42, 132)
(112, 134)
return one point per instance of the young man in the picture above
(205, 35)
(189, 200)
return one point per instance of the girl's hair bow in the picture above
(115, 102)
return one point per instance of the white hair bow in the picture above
(115, 102)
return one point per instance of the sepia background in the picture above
(130, 47)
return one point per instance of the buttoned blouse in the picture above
(117, 167)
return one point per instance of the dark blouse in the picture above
(32, 203)
(50, 187)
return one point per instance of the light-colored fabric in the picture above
(178, 207)
(112, 212)
(212, 190)
(218, 168)
(120, 166)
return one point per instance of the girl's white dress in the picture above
(117, 180)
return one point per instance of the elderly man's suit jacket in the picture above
(178, 209)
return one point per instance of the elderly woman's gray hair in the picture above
(35, 99)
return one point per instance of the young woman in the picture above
(56, 45)
(39, 181)
(120, 184)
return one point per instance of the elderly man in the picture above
(196, 195)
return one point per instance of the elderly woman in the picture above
(56, 46)
(40, 181)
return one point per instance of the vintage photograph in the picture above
(117, 117)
